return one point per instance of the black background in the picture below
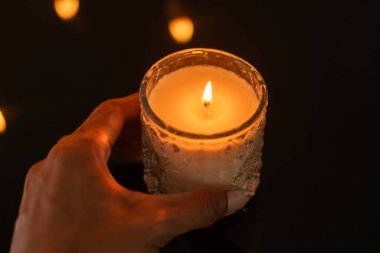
(319, 190)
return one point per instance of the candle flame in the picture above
(207, 95)
(3, 123)
(66, 9)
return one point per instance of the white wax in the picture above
(177, 100)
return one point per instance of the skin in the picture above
(71, 202)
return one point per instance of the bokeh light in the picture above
(66, 9)
(181, 29)
(3, 123)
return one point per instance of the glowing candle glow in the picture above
(177, 99)
(203, 115)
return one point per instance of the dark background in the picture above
(319, 190)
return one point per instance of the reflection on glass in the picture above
(181, 29)
(3, 124)
(66, 9)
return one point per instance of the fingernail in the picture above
(236, 199)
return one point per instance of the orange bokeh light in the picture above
(3, 123)
(66, 9)
(181, 29)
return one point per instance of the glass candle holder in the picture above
(177, 160)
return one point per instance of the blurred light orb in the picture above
(66, 9)
(3, 123)
(181, 29)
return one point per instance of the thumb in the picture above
(201, 208)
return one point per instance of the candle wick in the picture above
(207, 105)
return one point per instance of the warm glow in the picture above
(207, 95)
(66, 9)
(3, 124)
(181, 29)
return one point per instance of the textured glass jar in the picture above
(177, 161)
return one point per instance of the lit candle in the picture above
(203, 114)
(178, 100)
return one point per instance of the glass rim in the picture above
(157, 120)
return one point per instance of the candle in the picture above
(177, 100)
(203, 115)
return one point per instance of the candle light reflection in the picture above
(3, 123)
(181, 29)
(66, 9)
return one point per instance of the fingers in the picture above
(201, 208)
(29, 175)
(90, 145)
(28, 184)
(107, 121)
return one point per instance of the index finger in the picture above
(106, 122)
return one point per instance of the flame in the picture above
(181, 29)
(207, 95)
(3, 123)
(66, 9)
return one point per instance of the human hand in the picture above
(71, 202)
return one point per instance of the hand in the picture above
(71, 202)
